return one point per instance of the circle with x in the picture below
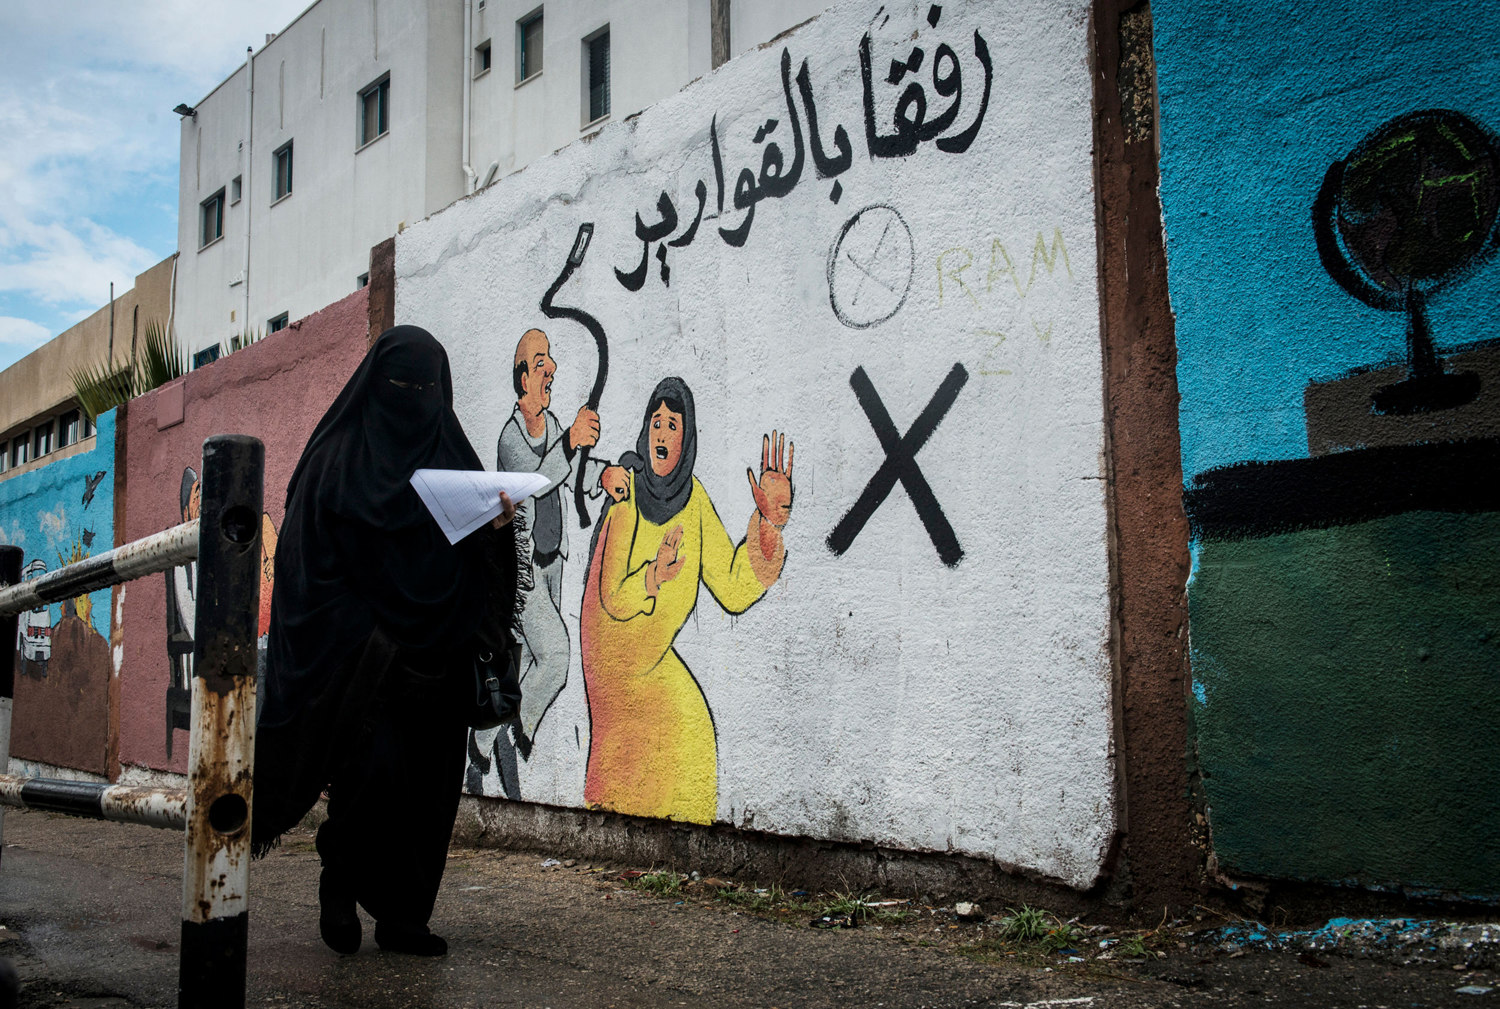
(870, 267)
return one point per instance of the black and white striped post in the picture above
(215, 807)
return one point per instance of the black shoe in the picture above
(417, 940)
(337, 921)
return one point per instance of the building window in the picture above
(236, 190)
(69, 428)
(596, 65)
(88, 426)
(206, 356)
(282, 159)
(4, 456)
(375, 111)
(277, 324)
(41, 439)
(20, 449)
(529, 45)
(211, 213)
(482, 58)
(362, 281)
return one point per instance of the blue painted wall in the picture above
(1256, 102)
(48, 510)
(1342, 637)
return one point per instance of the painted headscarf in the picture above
(658, 498)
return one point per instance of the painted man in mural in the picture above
(652, 750)
(182, 607)
(533, 440)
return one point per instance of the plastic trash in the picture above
(835, 921)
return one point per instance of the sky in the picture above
(88, 169)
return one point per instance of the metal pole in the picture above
(145, 556)
(221, 749)
(10, 574)
(153, 807)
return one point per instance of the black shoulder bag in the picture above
(495, 696)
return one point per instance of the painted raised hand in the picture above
(773, 492)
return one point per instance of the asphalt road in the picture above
(91, 915)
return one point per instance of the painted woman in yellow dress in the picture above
(651, 747)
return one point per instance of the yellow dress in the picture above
(651, 745)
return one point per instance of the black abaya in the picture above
(373, 618)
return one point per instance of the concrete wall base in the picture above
(755, 857)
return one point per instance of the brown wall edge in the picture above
(116, 595)
(382, 288)
(1161, 856)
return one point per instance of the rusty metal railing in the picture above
(214, 810)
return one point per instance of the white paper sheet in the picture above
(464, 500)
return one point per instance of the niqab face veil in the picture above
(394, 416)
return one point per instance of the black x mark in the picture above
(901, 464)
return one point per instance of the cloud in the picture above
(88, 182)
(53, 524)
(22, 335)
(14, 535)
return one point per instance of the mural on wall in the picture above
(59, 514)
(1340, 408)
(305, 366)
(182, 611)
(534, 441)
(752, 261)
(652, 748)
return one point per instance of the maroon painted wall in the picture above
(276, 390)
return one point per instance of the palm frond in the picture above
(161, 360)
(245, 339)
(102, 387)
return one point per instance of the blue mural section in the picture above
(1255, 107)
(58, 513)
(1330, 186)
(62, 512)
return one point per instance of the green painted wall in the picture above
(1347, 702)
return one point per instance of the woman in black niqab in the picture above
(374, 616)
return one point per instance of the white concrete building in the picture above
(365, 117)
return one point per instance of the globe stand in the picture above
(1427, 388)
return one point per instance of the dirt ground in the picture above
(90, 913)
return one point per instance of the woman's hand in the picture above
(773, 492)
(508, 512)
(773, 507)
(667, 564)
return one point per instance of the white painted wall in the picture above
(753, 22)
(308, 250)
(879, 695)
